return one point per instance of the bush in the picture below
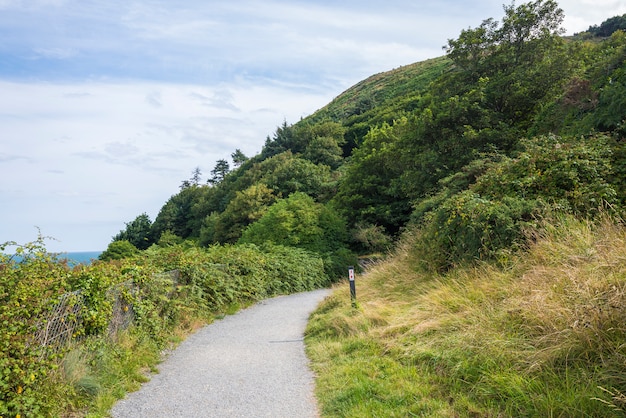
(30, 283)
(569, 173)
(118, 250)
(551, 174)
(467, 227)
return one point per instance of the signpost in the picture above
(352, 286)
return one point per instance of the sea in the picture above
(73, 258)
(80, 257)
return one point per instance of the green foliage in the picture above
(169, 239)
(504, 72)
(287, 174)
(371, 238)
(220, 171)
(219, 276)
(31, 281)
(193, 181)
(370, 192)
(177, 215)
(336, 262)
(324, 141)
(284, 139)
(137, 232)
(298, 222)
(247, 207)
(593, 99)
(170, 286)
(609, 26)
(220, 213)
(523, 58)
(238, 157)
(467, 227)
(570, 174)
(617, 178)
(551, 174)
(97, 309)
(118, 250)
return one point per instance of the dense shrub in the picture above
(163, 288)
(30, 284)
(569, 173)
(468, 227)
(118, 250)
(551, 174)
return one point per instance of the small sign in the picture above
(352, 286)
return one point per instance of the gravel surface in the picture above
(251, 364)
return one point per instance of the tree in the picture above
(322, 142)
(137, 232)
(286, 173)
(247, 207)
(193, 181)
(196, 176)
(517, 40)
(284, 139)
(118, 250)
(473, 46)
(299, 222)
(238, 158)
(177, 215)
(523, 60)
(609, 26)
(222, 168)
(370, 191)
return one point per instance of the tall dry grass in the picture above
(544, 335)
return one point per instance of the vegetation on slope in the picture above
(400, 146)
(542, 335)
(46, 371)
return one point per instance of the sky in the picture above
(106, 107)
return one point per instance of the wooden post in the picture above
(352, 286)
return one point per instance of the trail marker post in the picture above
(352, 286)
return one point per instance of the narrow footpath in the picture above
(251, 364)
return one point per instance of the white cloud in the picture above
(101, 154)
(580, 14)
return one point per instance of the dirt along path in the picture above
(251, 364)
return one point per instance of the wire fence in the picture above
(63, 322)
(122, 313)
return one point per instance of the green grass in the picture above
(94, 373)
(542, 337)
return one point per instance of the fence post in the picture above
(352, 286)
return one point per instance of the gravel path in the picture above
(251, 364)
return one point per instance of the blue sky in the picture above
(107, 106)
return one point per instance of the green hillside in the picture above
(402, 148)
(488, 186)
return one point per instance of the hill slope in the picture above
(397, 146)
(542, 336)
